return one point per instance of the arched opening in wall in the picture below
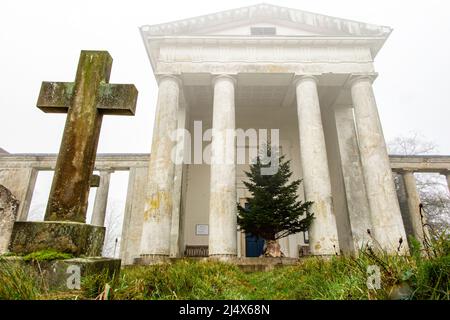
(115, 210)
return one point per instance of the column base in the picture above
(152, 259)
(223, 257)
(78, 239)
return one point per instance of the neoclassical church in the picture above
(267, 67)
(304, 79)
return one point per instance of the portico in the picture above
(311, 78)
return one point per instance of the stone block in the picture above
(8, 213)
(68, 274)
(78, 239)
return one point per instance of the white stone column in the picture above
(386, 218)
(183, 144)
(130, 240)
(316, 176)
(222, 208)
(101, 199)
(413, 200)
(447, 175)
(355, 189)
(158, 206)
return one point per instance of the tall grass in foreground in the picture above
(17, 282)
(425, 274)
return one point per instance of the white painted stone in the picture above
(8, 214)
(413, 201)
(346, 243)
(316, 177)
(176, 230)
(101, 199)
(448, 179)
(222, 208)
(21, 182)
(133, 219)
(355, 189)
(159, 202)
(385, 211)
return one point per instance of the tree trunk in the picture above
(273, 249)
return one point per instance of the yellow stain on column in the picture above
(157, 202)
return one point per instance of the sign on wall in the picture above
(201, 229)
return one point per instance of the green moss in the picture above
(47, 255)
(8, 254)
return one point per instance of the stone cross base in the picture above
(68, 274)
(78, 239)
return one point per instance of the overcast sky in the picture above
(41, 40)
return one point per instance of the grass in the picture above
(18, 282)
(426, 273)
(47, 255)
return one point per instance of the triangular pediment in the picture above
(287, 21)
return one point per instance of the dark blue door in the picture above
(254, 245)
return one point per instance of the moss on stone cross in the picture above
(85, 101)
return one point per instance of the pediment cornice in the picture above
(261, 12)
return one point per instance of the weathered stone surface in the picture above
(86, 101)
(130, 244)
(158, 203)
(8, 214)
(20, 180)
(222, 198)
(352, 171)
(385, 213)
(71, 237)
(316, 175)
(101, 199)
(415, 219)
(61, 274)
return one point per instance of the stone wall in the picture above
(8, 214)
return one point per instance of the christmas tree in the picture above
(273, 212)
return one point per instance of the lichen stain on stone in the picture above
(275, 69)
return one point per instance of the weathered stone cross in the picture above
(85, 101)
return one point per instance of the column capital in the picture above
(305, 77)
(358, 77)
(106, 171)
(231, 77)
(174, 77)
(404, 171)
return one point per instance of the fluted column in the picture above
(413, 200)
(155, 242)
(316, 176)
(222, 208)
(386, 218)
(101, 199)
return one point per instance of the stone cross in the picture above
(85, 101)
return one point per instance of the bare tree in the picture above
(113, 224)
(413, 144)
(432, 190)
